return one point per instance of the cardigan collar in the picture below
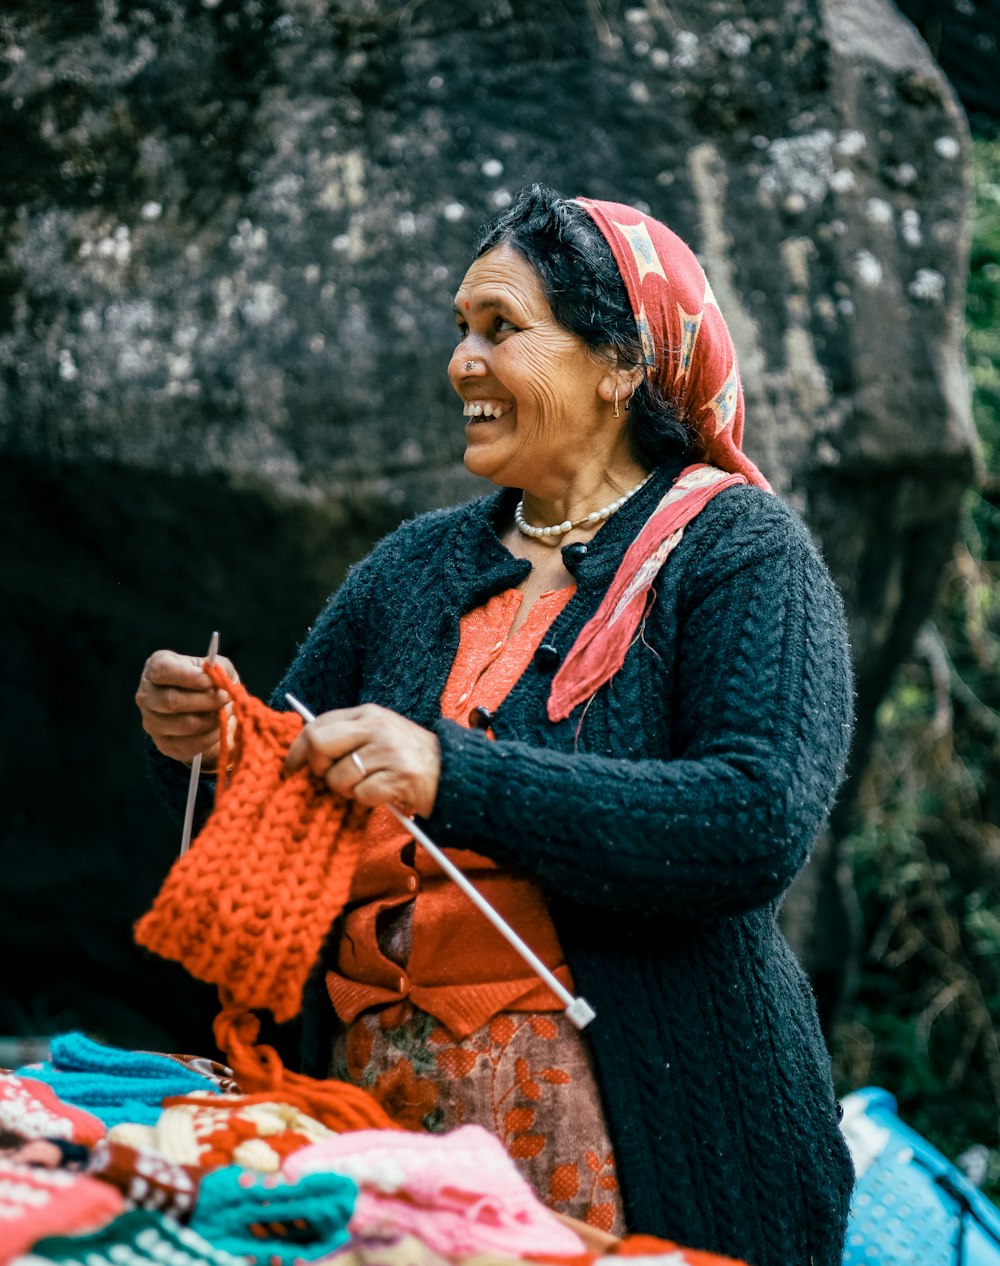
(483, 566)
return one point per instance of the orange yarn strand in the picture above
(259, 1070)
(249, 905)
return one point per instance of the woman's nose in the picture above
(466, 361)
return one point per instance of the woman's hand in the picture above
(371, 755)
(180, 706)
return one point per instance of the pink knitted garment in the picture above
(34, 1110)
(35, 1203)
(460, 1193)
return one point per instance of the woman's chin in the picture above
(483, 471)
(482, 460)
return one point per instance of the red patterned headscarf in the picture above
(687, 345)
(689, 352)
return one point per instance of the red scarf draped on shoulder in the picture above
(689, 352)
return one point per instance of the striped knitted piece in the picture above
(134, 1239)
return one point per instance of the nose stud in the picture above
(470, 366)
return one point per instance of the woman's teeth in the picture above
(485, 409)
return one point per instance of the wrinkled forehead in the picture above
(500, 276)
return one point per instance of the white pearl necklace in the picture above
(588, 520)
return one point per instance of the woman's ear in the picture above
(606, 386)
(623, 378)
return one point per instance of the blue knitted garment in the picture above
(114, 1084)
(271, 1219)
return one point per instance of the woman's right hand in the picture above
(180, 706)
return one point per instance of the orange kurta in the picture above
(409, 932)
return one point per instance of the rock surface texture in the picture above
(230, 235)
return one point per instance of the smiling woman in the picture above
(537, 398)
(618, 688)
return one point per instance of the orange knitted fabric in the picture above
(249, 905)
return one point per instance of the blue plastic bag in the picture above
(911, 1205)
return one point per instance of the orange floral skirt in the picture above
(527, 1078)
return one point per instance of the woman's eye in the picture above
(502, 326)
(461, 329)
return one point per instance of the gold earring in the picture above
(616, 412)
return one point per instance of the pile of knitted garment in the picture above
(209, 1175)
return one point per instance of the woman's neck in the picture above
(585, 502)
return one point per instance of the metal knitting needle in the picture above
(213, 648)
(578, 1010)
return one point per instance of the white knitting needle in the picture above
(578, 1010)
(213, 648)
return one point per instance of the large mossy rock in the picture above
(231, 232)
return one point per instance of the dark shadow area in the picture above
(889, 574)
(965, 41)
(98, 567)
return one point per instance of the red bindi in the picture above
(468, 305)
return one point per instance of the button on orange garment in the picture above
(455, 965)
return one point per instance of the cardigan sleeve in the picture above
(326, 669)
(761, 695)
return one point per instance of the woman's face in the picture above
(534, 415)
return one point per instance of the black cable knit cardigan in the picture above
(664, 829)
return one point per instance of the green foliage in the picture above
(927, 851)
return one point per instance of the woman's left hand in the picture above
(371, 755)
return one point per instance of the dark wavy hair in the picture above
(588, 297)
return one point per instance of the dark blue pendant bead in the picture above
(573, 555)
(546, 657)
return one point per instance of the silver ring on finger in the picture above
(357, 760)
